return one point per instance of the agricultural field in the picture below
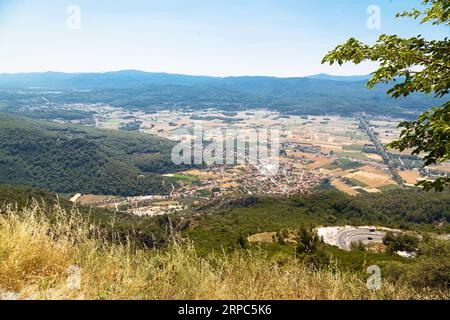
(182, 177)
(344, 188)
(445, 167)
(410, 176)
(386, 130)
(265, 237)
(315, 148)
(374, 157)
(90, 199)
(371, 180)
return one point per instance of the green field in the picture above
(389, 187)
(344, 164)
(354, 155)
(356, 183)
(353, 147)
(183, 177)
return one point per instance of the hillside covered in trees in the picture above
(69, 159)
(224, 222)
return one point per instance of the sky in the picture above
(285, 38)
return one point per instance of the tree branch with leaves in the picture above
(413, 65)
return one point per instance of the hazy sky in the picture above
(209, 37)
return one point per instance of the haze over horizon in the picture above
(317, 75)
(216, 38)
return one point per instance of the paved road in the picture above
(348, 236)
(387, 160)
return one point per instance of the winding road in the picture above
(348, 236)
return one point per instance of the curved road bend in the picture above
(348, 236)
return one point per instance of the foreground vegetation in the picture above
(137, 231)
(224, 221)
(40, 256)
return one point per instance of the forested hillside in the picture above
(23, 197)
(69, 159)
(225, 222)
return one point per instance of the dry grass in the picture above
(266, 237)
(344, 188)
(410, 176)
(35, 254)
(372, 180)
(444, 167)
(319, 161)
(373, 156)
(92, 199)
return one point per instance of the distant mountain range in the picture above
(318, 94)
(116, 79)
(324, 76)
(132, 78)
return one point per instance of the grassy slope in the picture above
(78, 159)
(36, 254)
(37, 264)
(140, 232)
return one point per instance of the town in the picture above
(345, 153)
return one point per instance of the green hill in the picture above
(224, 222)
(69, 159)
